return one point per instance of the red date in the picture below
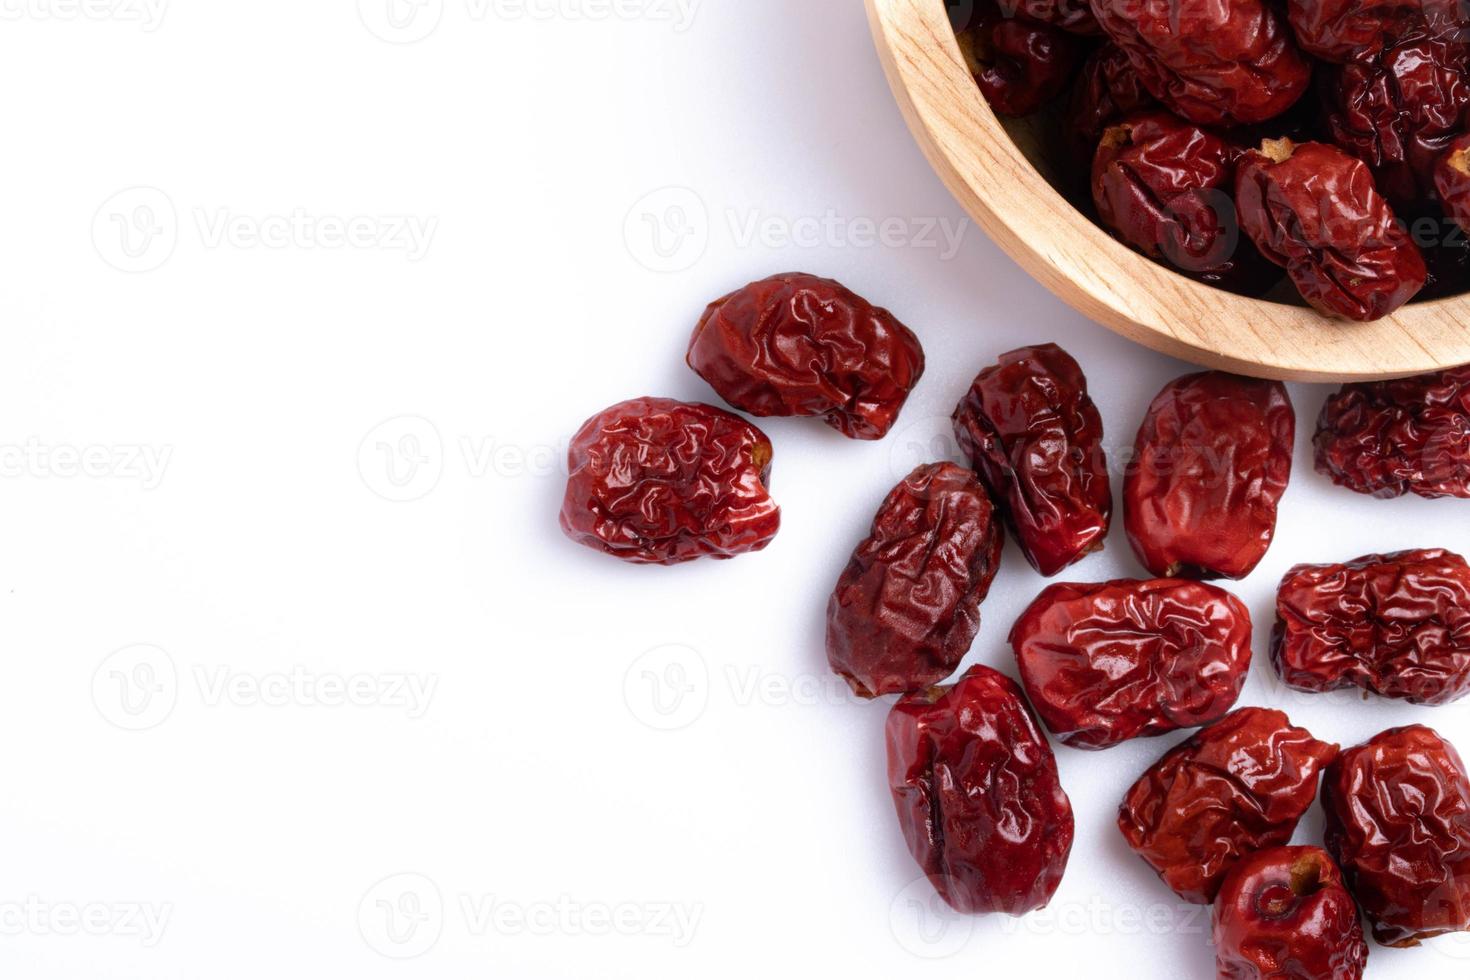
(654, 480)
(1124, 659)
(1074, 16)
(978, 796)
(1164, 186)
(1238, 786)
(1107, 90)
(1452, 181)
(1035, 437)
(1211, 462)
(1314, 211)
(1389, 438)
(1019, 64)
(1355, 30)
(907, 606)
(1225, 62)
(1285, 913)
(1398, 821)
(796, 344)
(1397, 625)
(1398, 112)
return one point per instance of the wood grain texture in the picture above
(993, 180)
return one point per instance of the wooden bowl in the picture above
(992, 169)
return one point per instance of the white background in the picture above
(248, 464)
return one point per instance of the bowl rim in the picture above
(1108, 282)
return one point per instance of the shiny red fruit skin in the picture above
(1238, 786)
(1452, 180)
(658, 481)
(1218, 63)
(1107, 90)
(1397, 625)
(1315, 211)
(1019, 64)
(1164, 186)
(1033, 434)
(977, 794)
(796, 344)
(907, 606)
(1355, 30)
(1389, 438)
(1285, 914)
(1118, 660)
(1210, 464)
(1398, 822)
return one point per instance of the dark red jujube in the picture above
(1212, 459)
(907, 606)
(1108, 89)
(1356, 30)
(1035, 437)
(1219, 63)
(1314, 210)
(978, 796)
(1020, 64)
(1108, 662)
(1285, 914)
(1238, 786)
(797, 344)
(653, 480)
(1397, 625)
(1452, 181)
(1398, 822)
(1389, 438)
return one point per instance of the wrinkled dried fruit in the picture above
(1107, 90)
(1355, 30)
(1106, 663)
(1388, 438)
(1314, 211)
(907, 606)
(1165, 187)
(1398, 821)
(1035, 437)
(1398, 112)
(1019, 64)
(1070, 15)
(661, 481)
(1210, 464)
(1238, 786)
(1285, 914)
(796, 344)
(1397, 625)
(1452, 180)
(1224, 62)
(978, 796)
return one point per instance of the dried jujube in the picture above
(907, 606)
(1165, 186)
(1224, 62)
(1397, 625)
(1452, 181)
(1398, 822)
(653, 480)
(1211, 462)
(1410, 435)
(1108, 89)
(1314, 210)
(1355, 30)
(977, 793)
(796, 344)
(1033, 434)
(1398, 112)
(1238, 786)
(1108, 662)
(1285, 914)
(1020, 64)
